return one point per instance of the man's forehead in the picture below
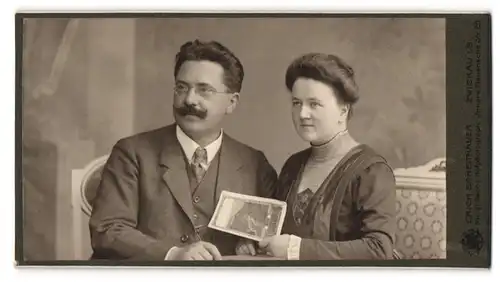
(200, 69)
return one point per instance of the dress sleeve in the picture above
(375, 199)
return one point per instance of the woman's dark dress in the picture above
(351, 215)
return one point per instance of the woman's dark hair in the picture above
(215, 52)
(329, 69)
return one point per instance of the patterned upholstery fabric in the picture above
(421, 223)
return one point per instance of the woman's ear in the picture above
(344, 110)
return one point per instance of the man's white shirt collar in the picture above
(189, 146)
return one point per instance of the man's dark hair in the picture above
(326, 68)
(215, 52)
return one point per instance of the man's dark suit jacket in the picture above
(144, 206)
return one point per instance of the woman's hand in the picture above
(245, 247)
(276, 246)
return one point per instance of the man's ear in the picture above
(235, 98)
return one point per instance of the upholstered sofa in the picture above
(421, 211)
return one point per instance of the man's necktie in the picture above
(199, 159)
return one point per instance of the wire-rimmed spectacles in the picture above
(202, 90)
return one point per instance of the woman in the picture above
(340, 194)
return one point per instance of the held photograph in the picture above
(316, 139)
(249, 217)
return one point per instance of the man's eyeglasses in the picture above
(202, 90)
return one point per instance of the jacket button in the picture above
(184, 238)
(196, 199)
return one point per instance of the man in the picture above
(159, 189)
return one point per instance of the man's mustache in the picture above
(190, 110)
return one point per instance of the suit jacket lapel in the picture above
(230, 163)
(175, 175)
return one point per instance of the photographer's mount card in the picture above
(85, 82)
(247, 216)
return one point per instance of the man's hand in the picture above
(276, 246)
(245, 247)
(197, 251)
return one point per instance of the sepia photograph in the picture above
(249, 217)
(202, 137)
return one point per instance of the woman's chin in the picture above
(308, 136)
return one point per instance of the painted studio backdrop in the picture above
(89, 82)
